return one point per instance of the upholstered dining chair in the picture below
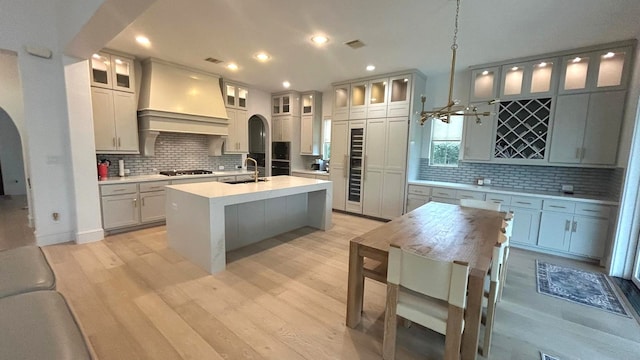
(490, 301)
(426, 291)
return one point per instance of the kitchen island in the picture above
(204, 220)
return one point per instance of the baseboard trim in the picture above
(89, 236)
(52, 239)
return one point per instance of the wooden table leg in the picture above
(355, 287)
(473, 315)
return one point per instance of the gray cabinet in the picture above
(114, 121)
(587, 128)
(478, 137)
(237, 141)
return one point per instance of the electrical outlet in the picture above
(567, 189)
(238, 166)
(487, 181)
(221, 167)
(55, 216)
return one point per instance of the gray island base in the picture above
(204, 220)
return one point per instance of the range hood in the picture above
(174, 98)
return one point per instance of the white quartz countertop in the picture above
(221, 190)
(497, 190)
(157, 177)
(313, 172)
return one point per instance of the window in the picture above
(445, 142)
(326, 139)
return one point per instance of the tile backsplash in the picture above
(174, 151)
(585, 181)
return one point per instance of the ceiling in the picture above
(399, 35)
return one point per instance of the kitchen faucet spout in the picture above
(255, 167)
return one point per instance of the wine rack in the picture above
(522, 129)
(356, 155)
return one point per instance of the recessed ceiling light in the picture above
(286, 84)
(319, 39)
(577, 59)
(262, 56)
(370, 67)
(143, 40)
(486, 72)
(232, 66)
(608, 55)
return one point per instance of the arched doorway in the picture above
(259, 140)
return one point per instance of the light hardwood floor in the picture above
(284, 298)
(14, 229)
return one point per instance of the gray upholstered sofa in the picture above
(35, 320)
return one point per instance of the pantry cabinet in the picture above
(339, 164)
(114, 121)
(237, 141)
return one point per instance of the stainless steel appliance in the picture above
(281, 150)
(280, 167)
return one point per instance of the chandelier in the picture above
(453, 108)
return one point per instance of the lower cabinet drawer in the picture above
(559, 205)
(499, 199)
(419, 190)
(465, 194)
(597, 210)
(244, 177)
(443, 193)
(226, 178)
(153, 186)
(118, 189)
(526, 202)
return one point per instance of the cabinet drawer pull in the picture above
(589, 210)
(567, 223)
(577, 153)
(523, 203)
(557, 206)
(574, 227)
(496, 200)
(156, 187)
(142, 201)
(118, 141)
(465, 197)
(346, 169)
(114, 141)
(443, 194)
(116, 190)
(135, 203)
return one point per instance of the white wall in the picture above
(83, 160)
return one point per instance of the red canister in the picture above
(103, 171)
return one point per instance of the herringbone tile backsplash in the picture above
(174, 151)
(585, 181)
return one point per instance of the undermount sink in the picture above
(244, 181)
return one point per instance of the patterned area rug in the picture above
(579, 286)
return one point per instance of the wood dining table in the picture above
(439, 231)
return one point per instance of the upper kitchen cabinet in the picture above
(587, 128)
(235, 95)
(601, 70)
(285, 104)
(311, 123)
(341, 95)
(377, 98)
(477, 137)
(114, 121)
(399, 99)
(112, 71)
(528, 80)
(484, 84)
(237, 142)
(358, 103)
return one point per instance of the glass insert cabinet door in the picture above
(378, 92)
(484, 84)
(243, 94)
(101, 70)
(307, 104)
(595, 71)
(531, 79)
(231, 95)
(122, 73)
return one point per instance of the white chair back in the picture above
(480, 204)
(438, 279)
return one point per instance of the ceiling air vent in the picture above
(213, 60)
(354, 44)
